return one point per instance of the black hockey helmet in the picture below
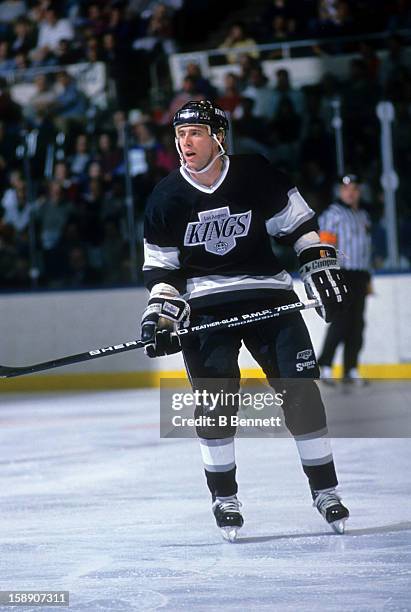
(203, 112)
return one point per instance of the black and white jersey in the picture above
(213, 243)
(349, 230)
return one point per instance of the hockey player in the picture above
(207, 250)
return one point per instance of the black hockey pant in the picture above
(283, 349)
(348, 327)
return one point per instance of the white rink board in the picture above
(39, 327)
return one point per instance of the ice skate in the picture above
(329, 505)
(353, 378)
(228, 517)
(327, 376)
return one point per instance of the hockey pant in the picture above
(282, 347)
(348, 326)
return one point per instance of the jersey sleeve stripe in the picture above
(161, 257)
(289, 218)
(209, 285)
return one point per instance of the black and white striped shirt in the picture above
(348, 230)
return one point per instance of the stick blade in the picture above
(7, 372)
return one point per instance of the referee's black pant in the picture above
(348, 327)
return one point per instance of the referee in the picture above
(346, 226)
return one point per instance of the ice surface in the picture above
(93, 502)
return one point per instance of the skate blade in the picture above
(229, 533)
(338, 526)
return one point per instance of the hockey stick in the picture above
(235, 321)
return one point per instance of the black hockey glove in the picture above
(323, 279)
(165, 311)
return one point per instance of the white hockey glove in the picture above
(323, 279)
(165, 312)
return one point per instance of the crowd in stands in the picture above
(65, 191)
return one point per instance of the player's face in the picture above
(350, 194)
(196, 145)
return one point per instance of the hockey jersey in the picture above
(213, 243)
(349, 230)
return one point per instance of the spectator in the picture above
(399, 15)
(143, 134)
(24, 39)
(371, 60)
(53, 212)
(65, 53)
(96, 21)
(316, 183)
(81, 157)
(166, 156)
(92, 47)
(118, 25)
(90, 209)
(17, 213)
(108, 156)
(402, 134)
(202, 85)
(110, 51)
(70, 103)
(237, 38)
(52, 29)
(250, 132)
(79, 272)
(283, 89)
(8, 253)
(157, 32)
(318, 146)
(113, 206)
(262, 94)
(10, 10)
(394, 63)
(15, 180)
(119, 122)
(7, 148)
(329, 90)
(188, 92)
(246, 63)
(62, 176)
(21, 278)
(325, 19)
(6, 62)
(230, 97)
(286, 127)
(22, 62)
(10, 111)
(117, 57)
(14, 266)
(42, 100)
(112, 250)
(93, 54)
(360, 98)
(344, 24)
(282, 29)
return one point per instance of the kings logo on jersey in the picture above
(217, 230)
